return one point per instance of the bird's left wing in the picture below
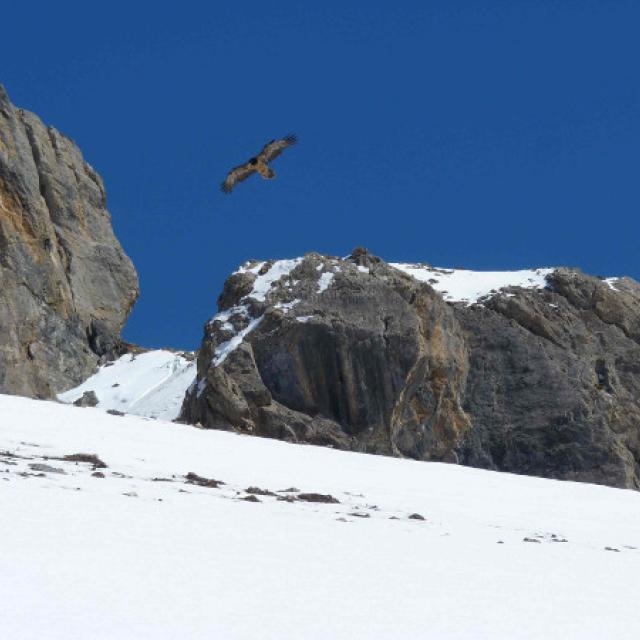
(237, 174)
(274, 148)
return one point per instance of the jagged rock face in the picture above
(357, 354)
(350, 353)
(554, 381)
(66, 285)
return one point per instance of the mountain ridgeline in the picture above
(359, 354)
(529, 372)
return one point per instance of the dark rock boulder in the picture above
(357, 354)
(66, 285)
(349, 353)
(87, 399)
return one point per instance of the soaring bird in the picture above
(258, 164)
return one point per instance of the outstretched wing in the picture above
(237, 174)
(274, 148)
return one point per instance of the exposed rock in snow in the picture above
(87, 399)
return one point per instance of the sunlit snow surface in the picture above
(263, 282)
(224, 349)
(611, 282)
(325, 281)
(127, 557)
(460, 285)
(149, 384)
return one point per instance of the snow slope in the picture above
(149, 384)
(127, 556)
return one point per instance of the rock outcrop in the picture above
(554, 382)
(66, 285)
(359, 354)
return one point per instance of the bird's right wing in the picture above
(237, 174)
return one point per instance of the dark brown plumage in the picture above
(258, 164)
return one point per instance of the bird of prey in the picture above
(258, 164)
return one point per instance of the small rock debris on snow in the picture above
(194, 478)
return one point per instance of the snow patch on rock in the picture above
(287, 306)
(325, 281)
(460, 285)
(224, 349)
(261, 287)
(612, 283)
(263, 283)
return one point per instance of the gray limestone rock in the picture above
(87, 399)
(66, 285)
(554, 381)
(347, 353)
(355, 354)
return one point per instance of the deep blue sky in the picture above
(488, 135)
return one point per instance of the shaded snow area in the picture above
(460, 285)
(149, 551)
(149, 384)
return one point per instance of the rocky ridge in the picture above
(531, 372)
(539, 377)
(66, 285)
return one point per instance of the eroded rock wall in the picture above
(66, 285)
(357, 354)
(353, 354)
(554, 382)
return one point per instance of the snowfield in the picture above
(150, 384)
(142, 554)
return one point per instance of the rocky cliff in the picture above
(539, 374)
(66, 285)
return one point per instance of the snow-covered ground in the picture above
(149, 384)
(141, 554)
